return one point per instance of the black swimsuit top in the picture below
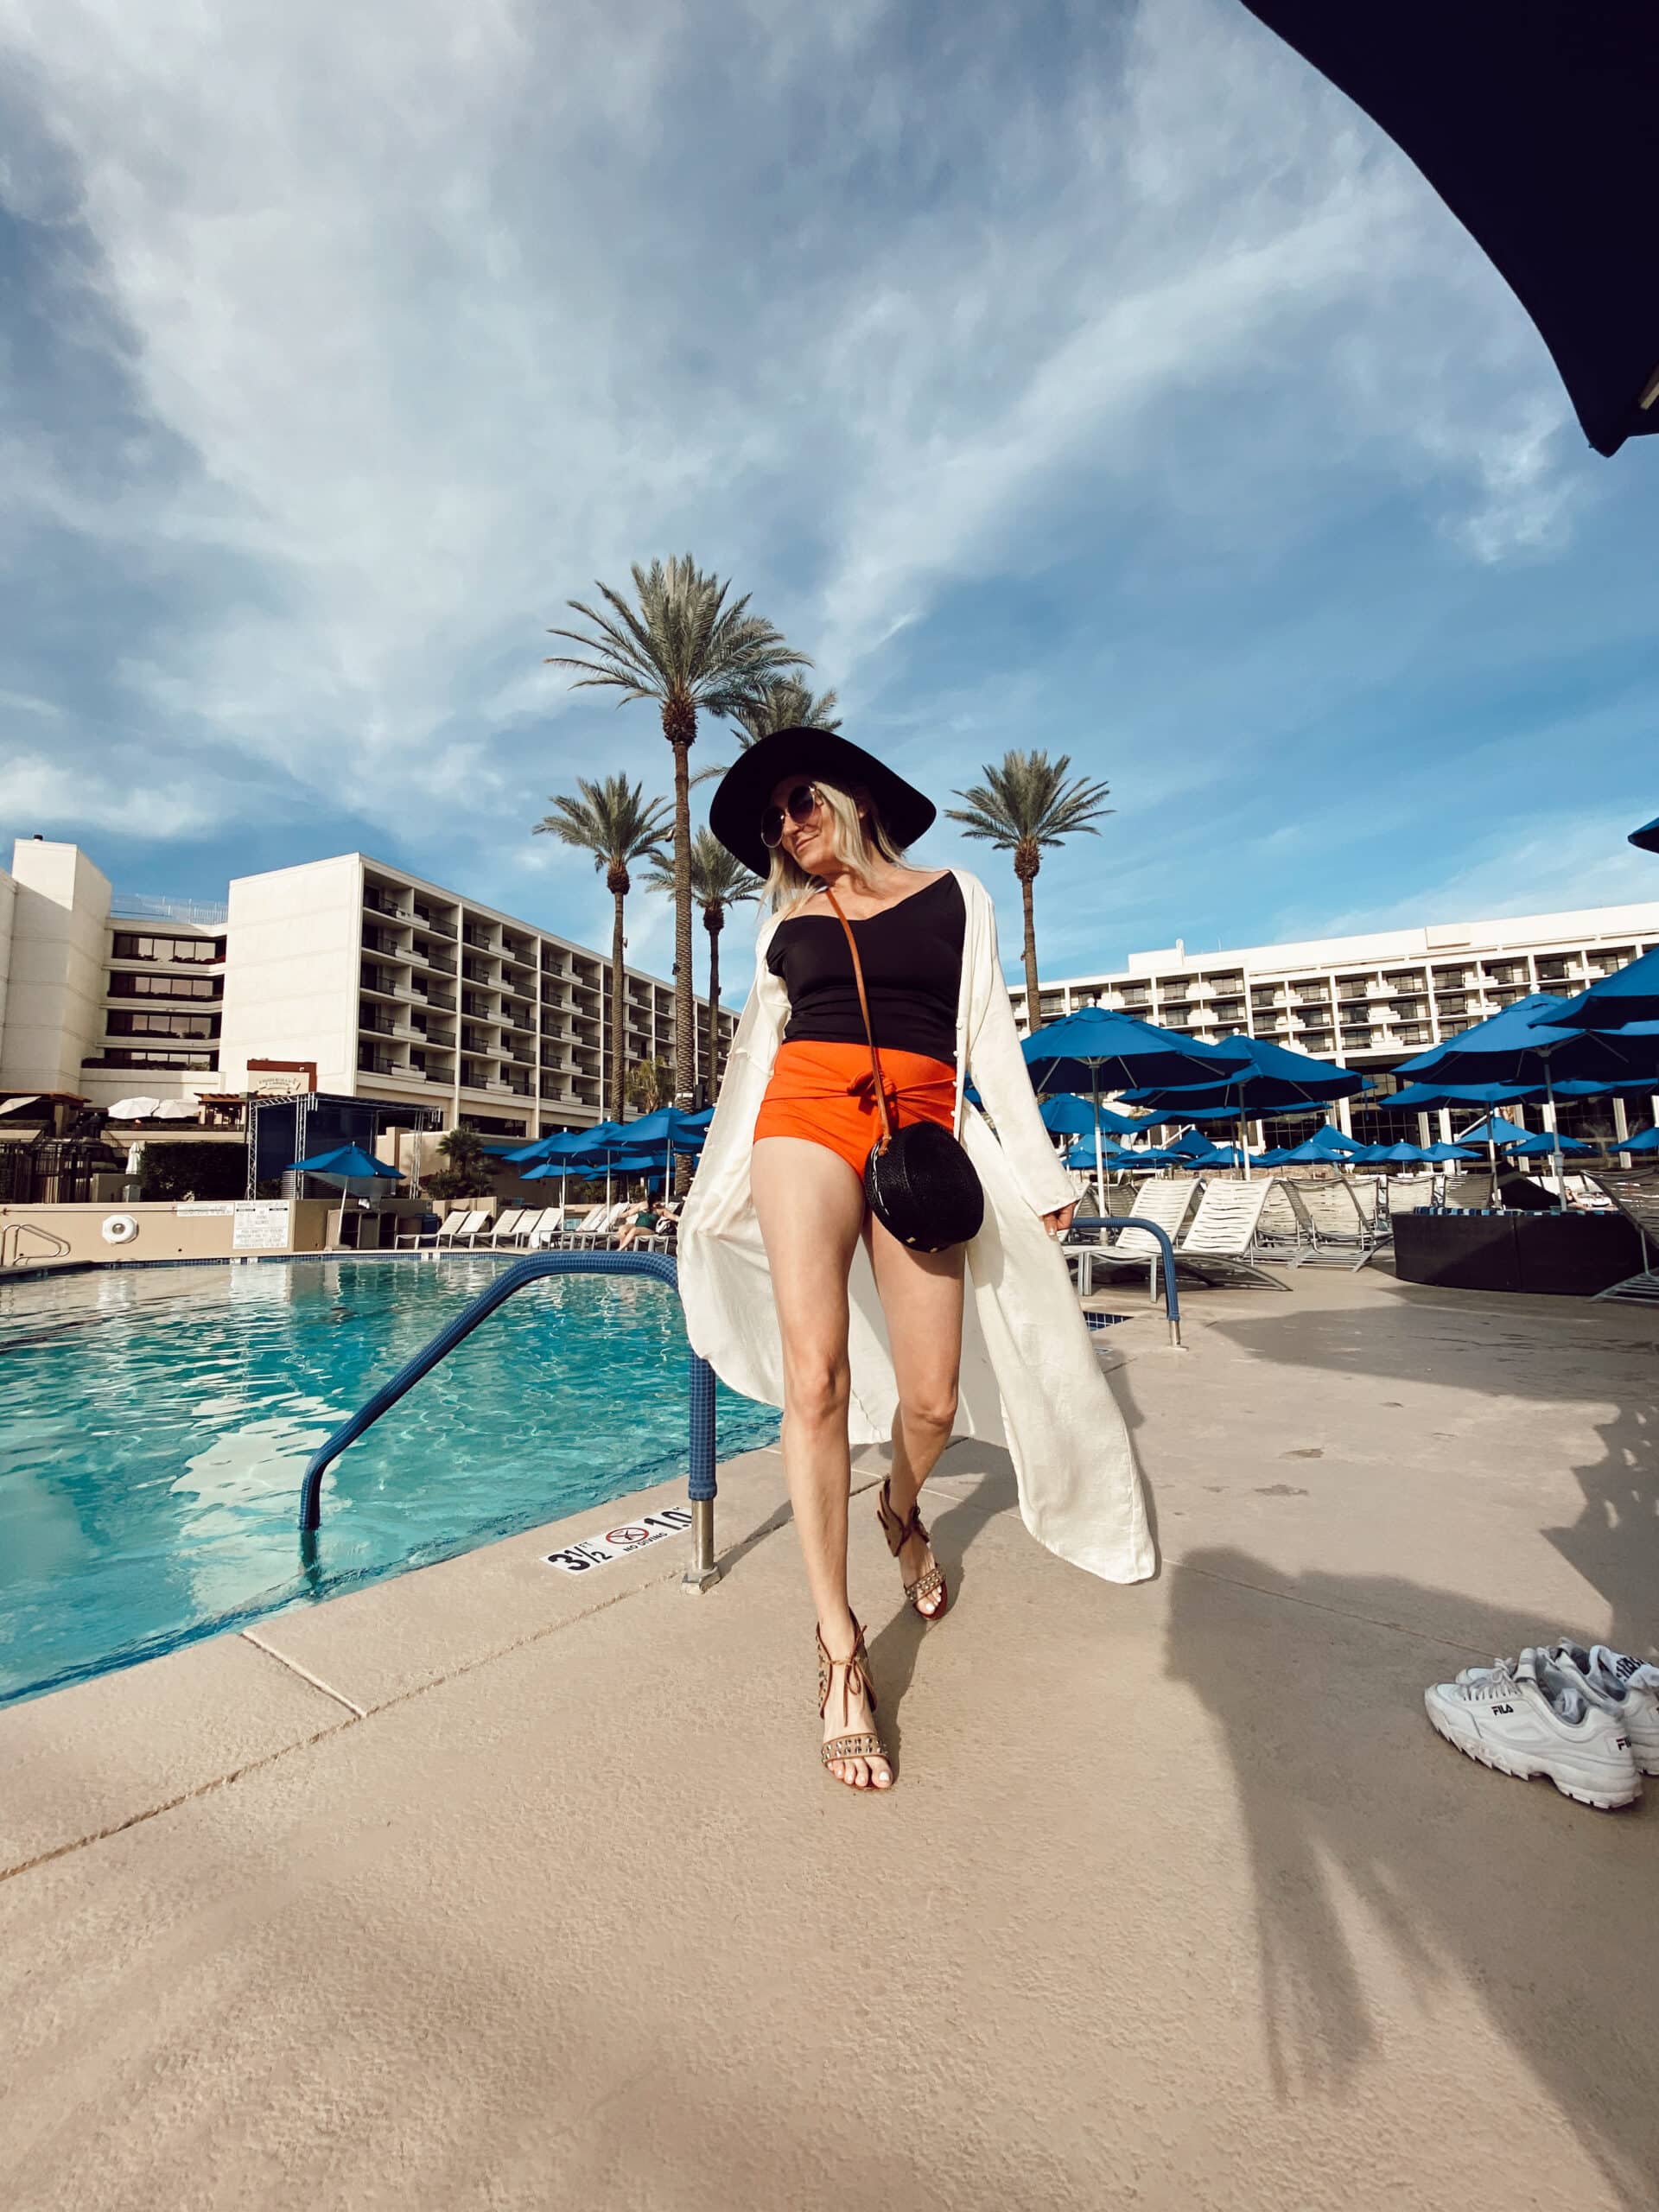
(912, 957)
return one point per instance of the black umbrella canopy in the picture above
(1535, 120)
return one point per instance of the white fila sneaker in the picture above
(1624, 1688)
(1529, 1721)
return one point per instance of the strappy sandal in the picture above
(854, 1670)
(898, 1534)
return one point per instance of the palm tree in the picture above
(468, 1173)
(719, 879)
(615, 822)
(684, 647)
(785, 702)
(1023, 805)
(651, 1082)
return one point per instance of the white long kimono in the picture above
(1029, 1375)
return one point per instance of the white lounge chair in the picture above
(450, 1231)
(1342, 1235)
(508, 1228)
(1285, 1235)
(1220, 1246)
(1406, 1192)
(1166, 1203)
(541, 1229)
(1637, 1197)
(588, 1235)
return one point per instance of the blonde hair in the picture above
(858, 844)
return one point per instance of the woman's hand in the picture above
(1057, 1224)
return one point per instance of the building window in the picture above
(152, 1056)
(181, 951)
(162, 1025)
(122, 985)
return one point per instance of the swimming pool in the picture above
(154, 1427)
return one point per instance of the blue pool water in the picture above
(153, 1428)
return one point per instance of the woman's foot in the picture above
(906, 1535)
(847, 1705)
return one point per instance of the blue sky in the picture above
(1088, 378)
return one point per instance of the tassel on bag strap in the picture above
(864, 1008)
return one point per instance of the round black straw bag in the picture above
(922, 1188)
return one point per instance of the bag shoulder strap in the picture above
(864, 1009)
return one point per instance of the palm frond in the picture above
(612, 819)
(718, 878)
(783, 703)
(1026, 800)
(679, 640)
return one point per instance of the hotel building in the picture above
(348, 974)
(1368, 1003)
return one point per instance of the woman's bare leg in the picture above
(921, 1297)
(811, 1207)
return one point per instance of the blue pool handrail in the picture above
(1172, 1296)
(700, 1487)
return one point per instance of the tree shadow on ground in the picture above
(1614, 1544)
(1376, 1852)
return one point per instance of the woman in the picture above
(797, 1296)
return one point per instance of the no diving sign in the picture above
(617, 1543)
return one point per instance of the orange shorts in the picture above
(826, 1094)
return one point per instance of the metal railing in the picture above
(1172, 1296)
(145, 905)
(701, 1488)
(12, 1253)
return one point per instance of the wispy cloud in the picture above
(1101, 380)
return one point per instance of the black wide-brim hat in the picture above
(745, 790)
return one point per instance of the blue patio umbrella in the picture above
(1517, 1046)
(1426, 1097)
(1647, 1140)
(1268, 1078)
(669, 1130)
(564, 1144)
(1179, 1117)
(1199, 1146)
(1630, 994)
(1647, 836)
(347, 1162)
(1330, 1143)
(1189, 1142)
(1096, 1049)
(1067, 1115)
(1327, 1147)
(1444, 1151)
(1494, 1130)
(1496, 1135)
(1539, 1144)
(1082, 1157)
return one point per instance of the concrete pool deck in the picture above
(498, 1886)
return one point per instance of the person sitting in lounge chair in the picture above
(649, 1220)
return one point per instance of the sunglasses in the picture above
(800, 806)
